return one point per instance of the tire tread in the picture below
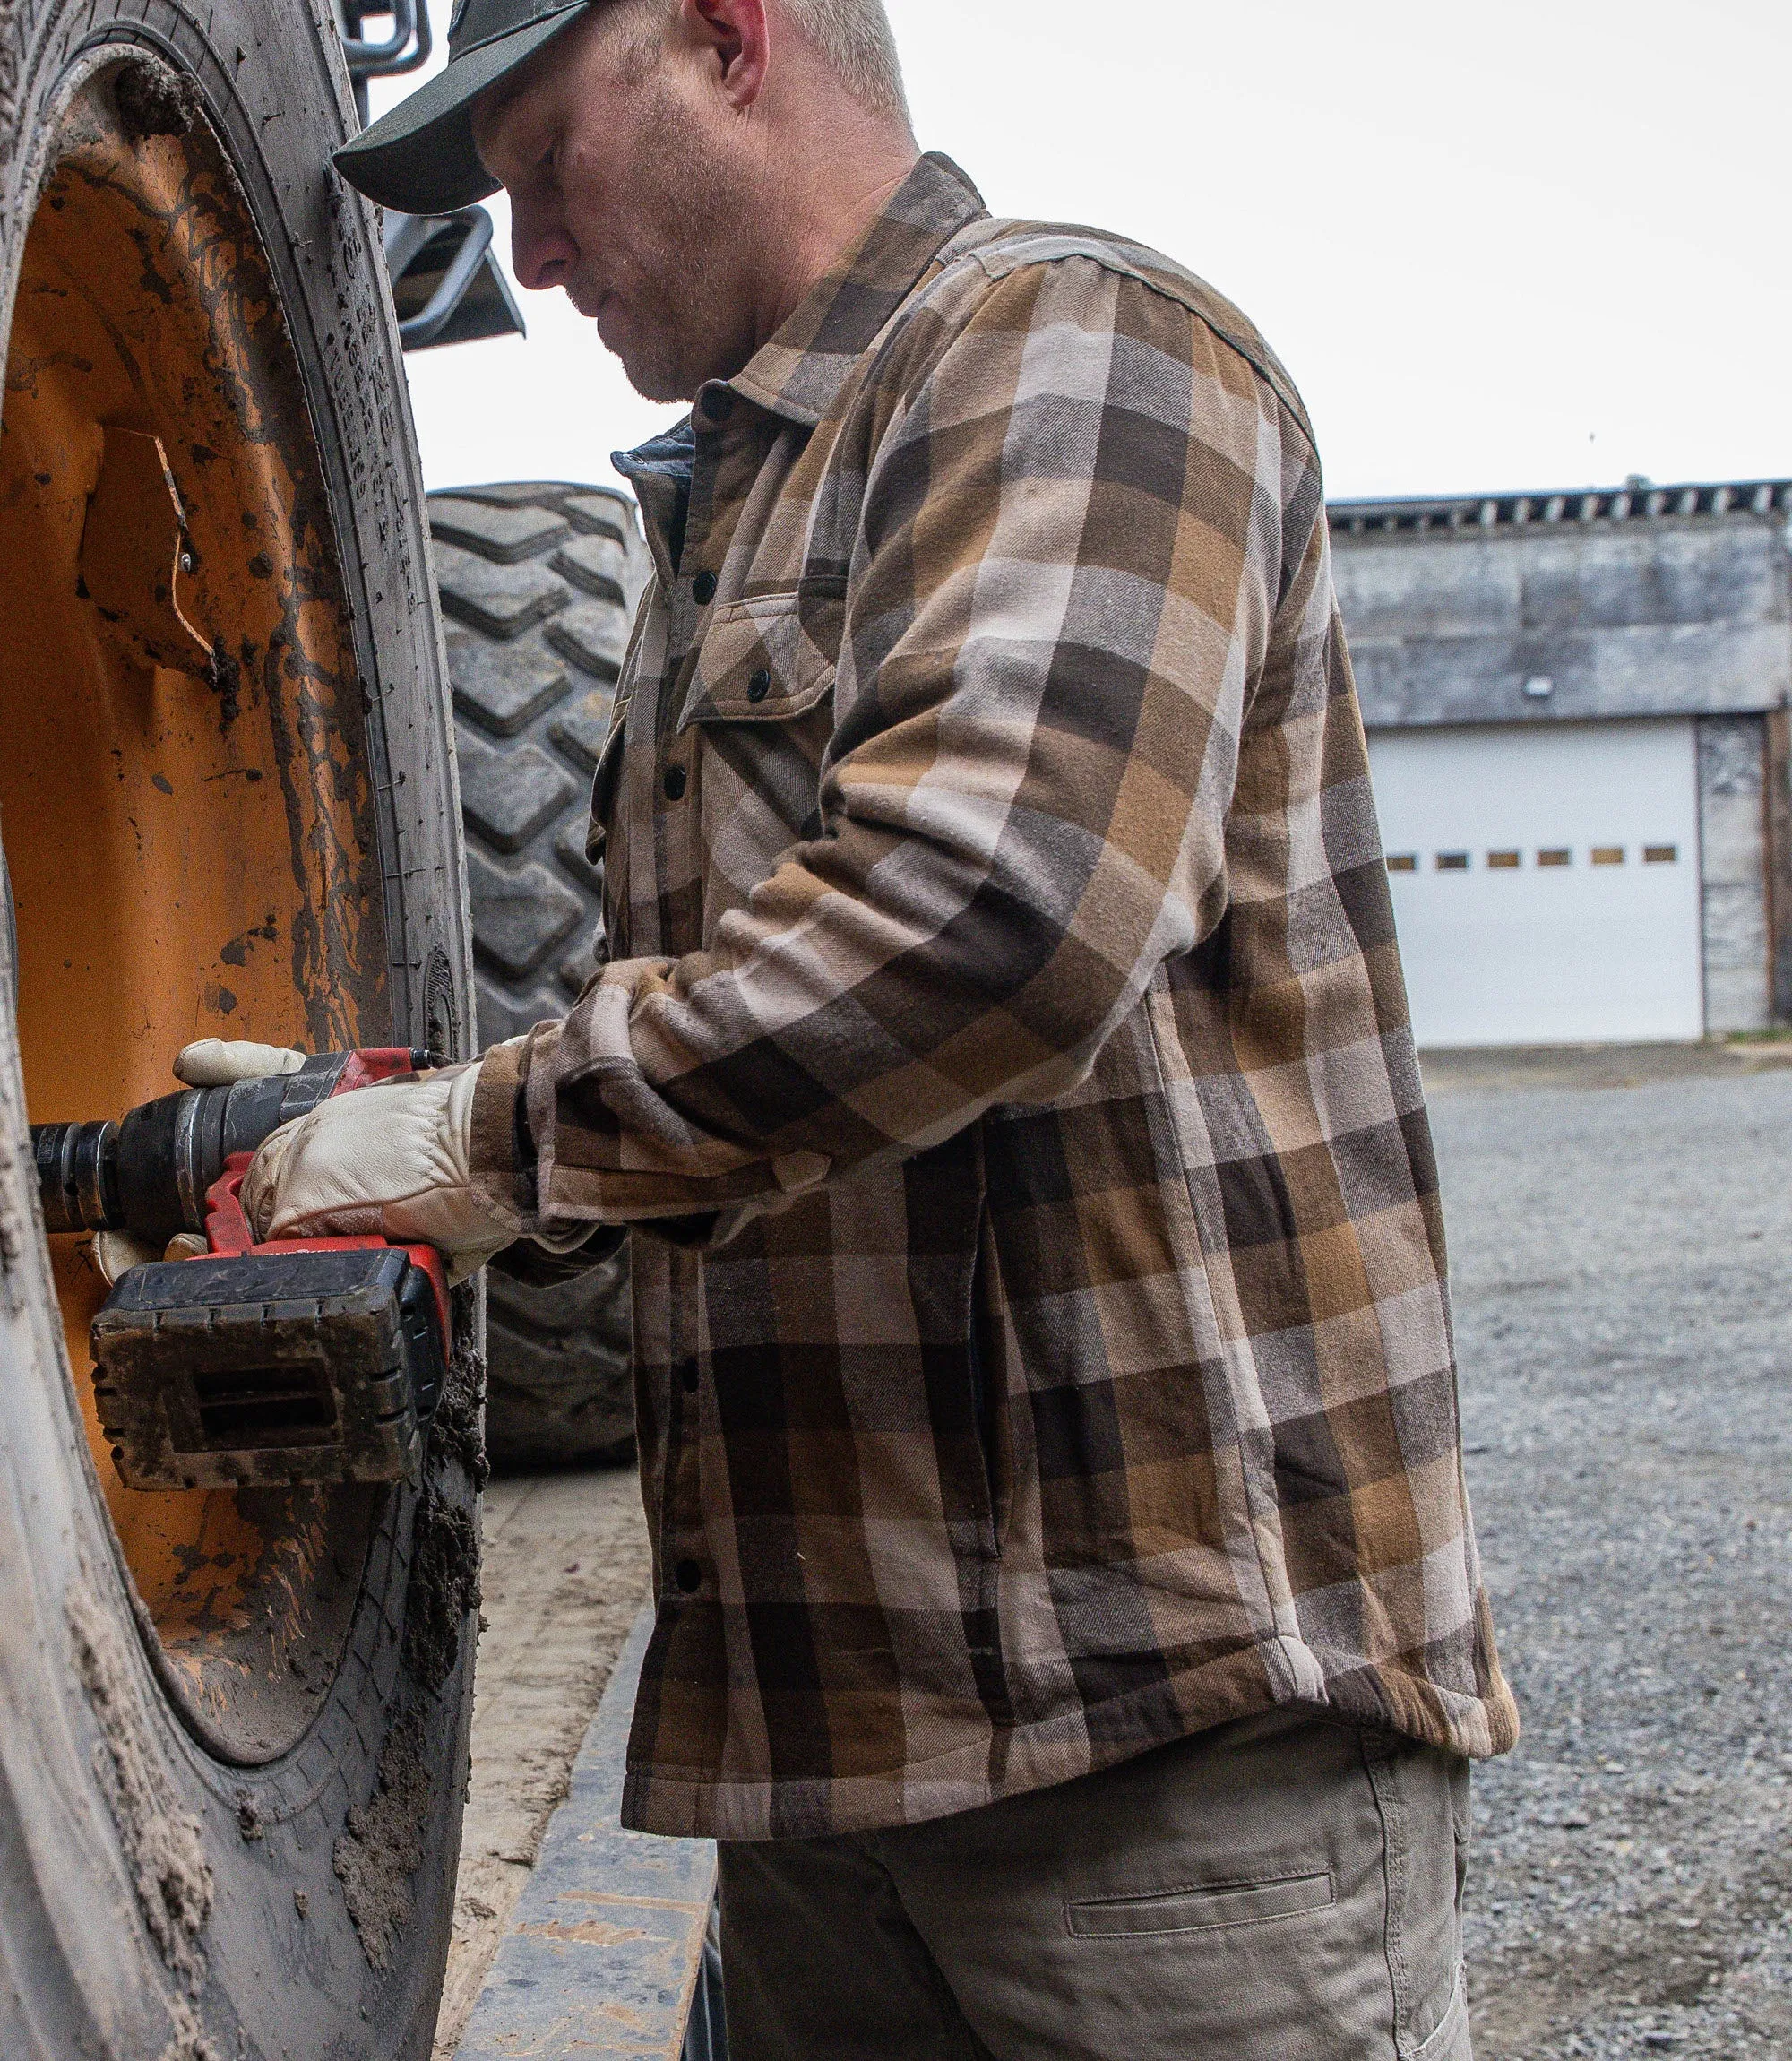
(540, 580)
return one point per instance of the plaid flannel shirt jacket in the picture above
(1042, 1344)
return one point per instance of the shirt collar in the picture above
(800, 372)
(661, 471)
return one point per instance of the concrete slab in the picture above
(602, 1955)
(565, 1571)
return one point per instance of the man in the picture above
(1068, 1620)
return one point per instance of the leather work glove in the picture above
(391, 1161)
(115, 1252)
(221, 1063)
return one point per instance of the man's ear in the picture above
(739, 37)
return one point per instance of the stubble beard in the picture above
(690, 312)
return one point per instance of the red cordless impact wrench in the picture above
(302, 1360)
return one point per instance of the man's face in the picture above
(615, 152)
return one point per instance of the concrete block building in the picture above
(1577, 715)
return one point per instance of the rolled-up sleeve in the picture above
(1065, 581)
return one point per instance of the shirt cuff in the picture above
(496, 1166)
(503, 1163)
(630, 1139)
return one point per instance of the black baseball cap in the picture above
(420, 158)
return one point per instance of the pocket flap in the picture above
(764, 661)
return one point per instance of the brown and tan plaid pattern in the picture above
(1043, 1347)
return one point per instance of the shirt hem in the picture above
(684, 1804)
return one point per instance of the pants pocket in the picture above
(1204, 1909)
(1424, 1796)
(1450, 2040)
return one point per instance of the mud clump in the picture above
(444, 1586)
(152, 100)
(227, 683)
(189, 2042)
(459, 1431)
(381, 1845)
(164, 1846)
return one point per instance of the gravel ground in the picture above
(1625, 1313)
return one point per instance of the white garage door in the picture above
(1545, 880)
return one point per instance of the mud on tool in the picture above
(302, 1360)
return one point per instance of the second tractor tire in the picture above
(538, 582)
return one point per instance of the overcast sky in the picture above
(1534, 245)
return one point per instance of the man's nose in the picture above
(541, 251)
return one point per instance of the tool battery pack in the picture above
(269, 1367)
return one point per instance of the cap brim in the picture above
(420, 159)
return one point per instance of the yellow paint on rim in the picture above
(187, 855)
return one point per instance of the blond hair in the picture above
(854, 37)
(856, 40)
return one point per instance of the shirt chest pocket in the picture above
(767, 660)
(757, 696)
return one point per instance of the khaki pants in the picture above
(1287, 1888)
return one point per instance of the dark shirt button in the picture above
(687, 1376)
(759, 686)
(719, 404)
(674, 783)
(703, 587)
(690, 1576)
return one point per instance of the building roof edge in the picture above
(1638, 500)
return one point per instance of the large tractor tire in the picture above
(233, 1725)
(540, 584)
